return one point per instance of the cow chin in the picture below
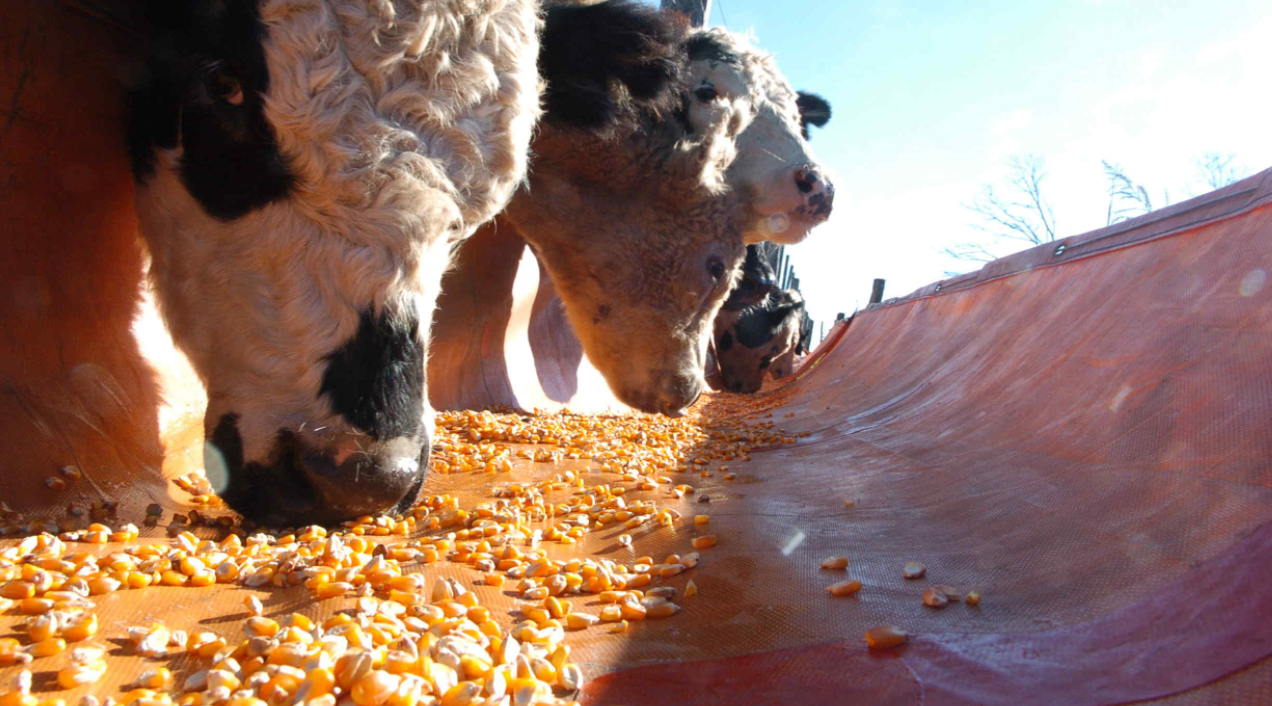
(310, 480)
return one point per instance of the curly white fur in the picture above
(406, 124)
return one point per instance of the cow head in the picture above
(301, 170)
(629, 211)
(643, 251)
(762, 334)
(787, 192)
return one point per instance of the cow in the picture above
(763, 336)
(753, 287)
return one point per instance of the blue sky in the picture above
(931, 98)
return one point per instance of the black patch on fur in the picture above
(231, 162)
(813, 110)
(376, 380)
(725, 342)
(704, 45)
(228, 441)
(765, 362)
(756, 282)
(602, 313)
(609, 62)
(761, 323)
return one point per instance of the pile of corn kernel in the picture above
(407, 639)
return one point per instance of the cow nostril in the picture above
(805, 180)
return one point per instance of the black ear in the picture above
(608, 62)
(783, 304)
(813, 110)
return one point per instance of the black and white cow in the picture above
(764, 336)
(753, 287)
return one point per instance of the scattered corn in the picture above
(835, 563)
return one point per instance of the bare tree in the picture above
(1016, 212)
(1218, 170)
(1127, 199)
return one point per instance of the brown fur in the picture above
(626, 226)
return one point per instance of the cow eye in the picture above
(225, 85)
(715, 268)
(706, 93)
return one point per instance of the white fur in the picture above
(406, 124)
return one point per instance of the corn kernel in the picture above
(835, 563)
(844, 588)
(885, 637)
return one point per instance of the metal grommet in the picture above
(1059, 250)
(938, 287)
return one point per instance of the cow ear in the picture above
(813, 110)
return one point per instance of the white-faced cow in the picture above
(786, 191)
(763, 336)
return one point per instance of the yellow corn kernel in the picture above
(333, 589)
(318, 682)
(885, 637)
(835, 563)
(42, 627)
(691, 589)
(77, 675)
(18, 590)
(173, 578)
(706, 541)
(580, 621)
(47, 647)
(973, 598)
(662, 610)
(154, 678)
(621, 626)
(261, 627)
(844, 588)
(375, 688)
(611, 614)
(35, 606)
(935, 599)
(81, 628)
(701, 520)
(914, 570)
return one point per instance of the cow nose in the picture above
(819, 193)
(363, 477)
(677, 392)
